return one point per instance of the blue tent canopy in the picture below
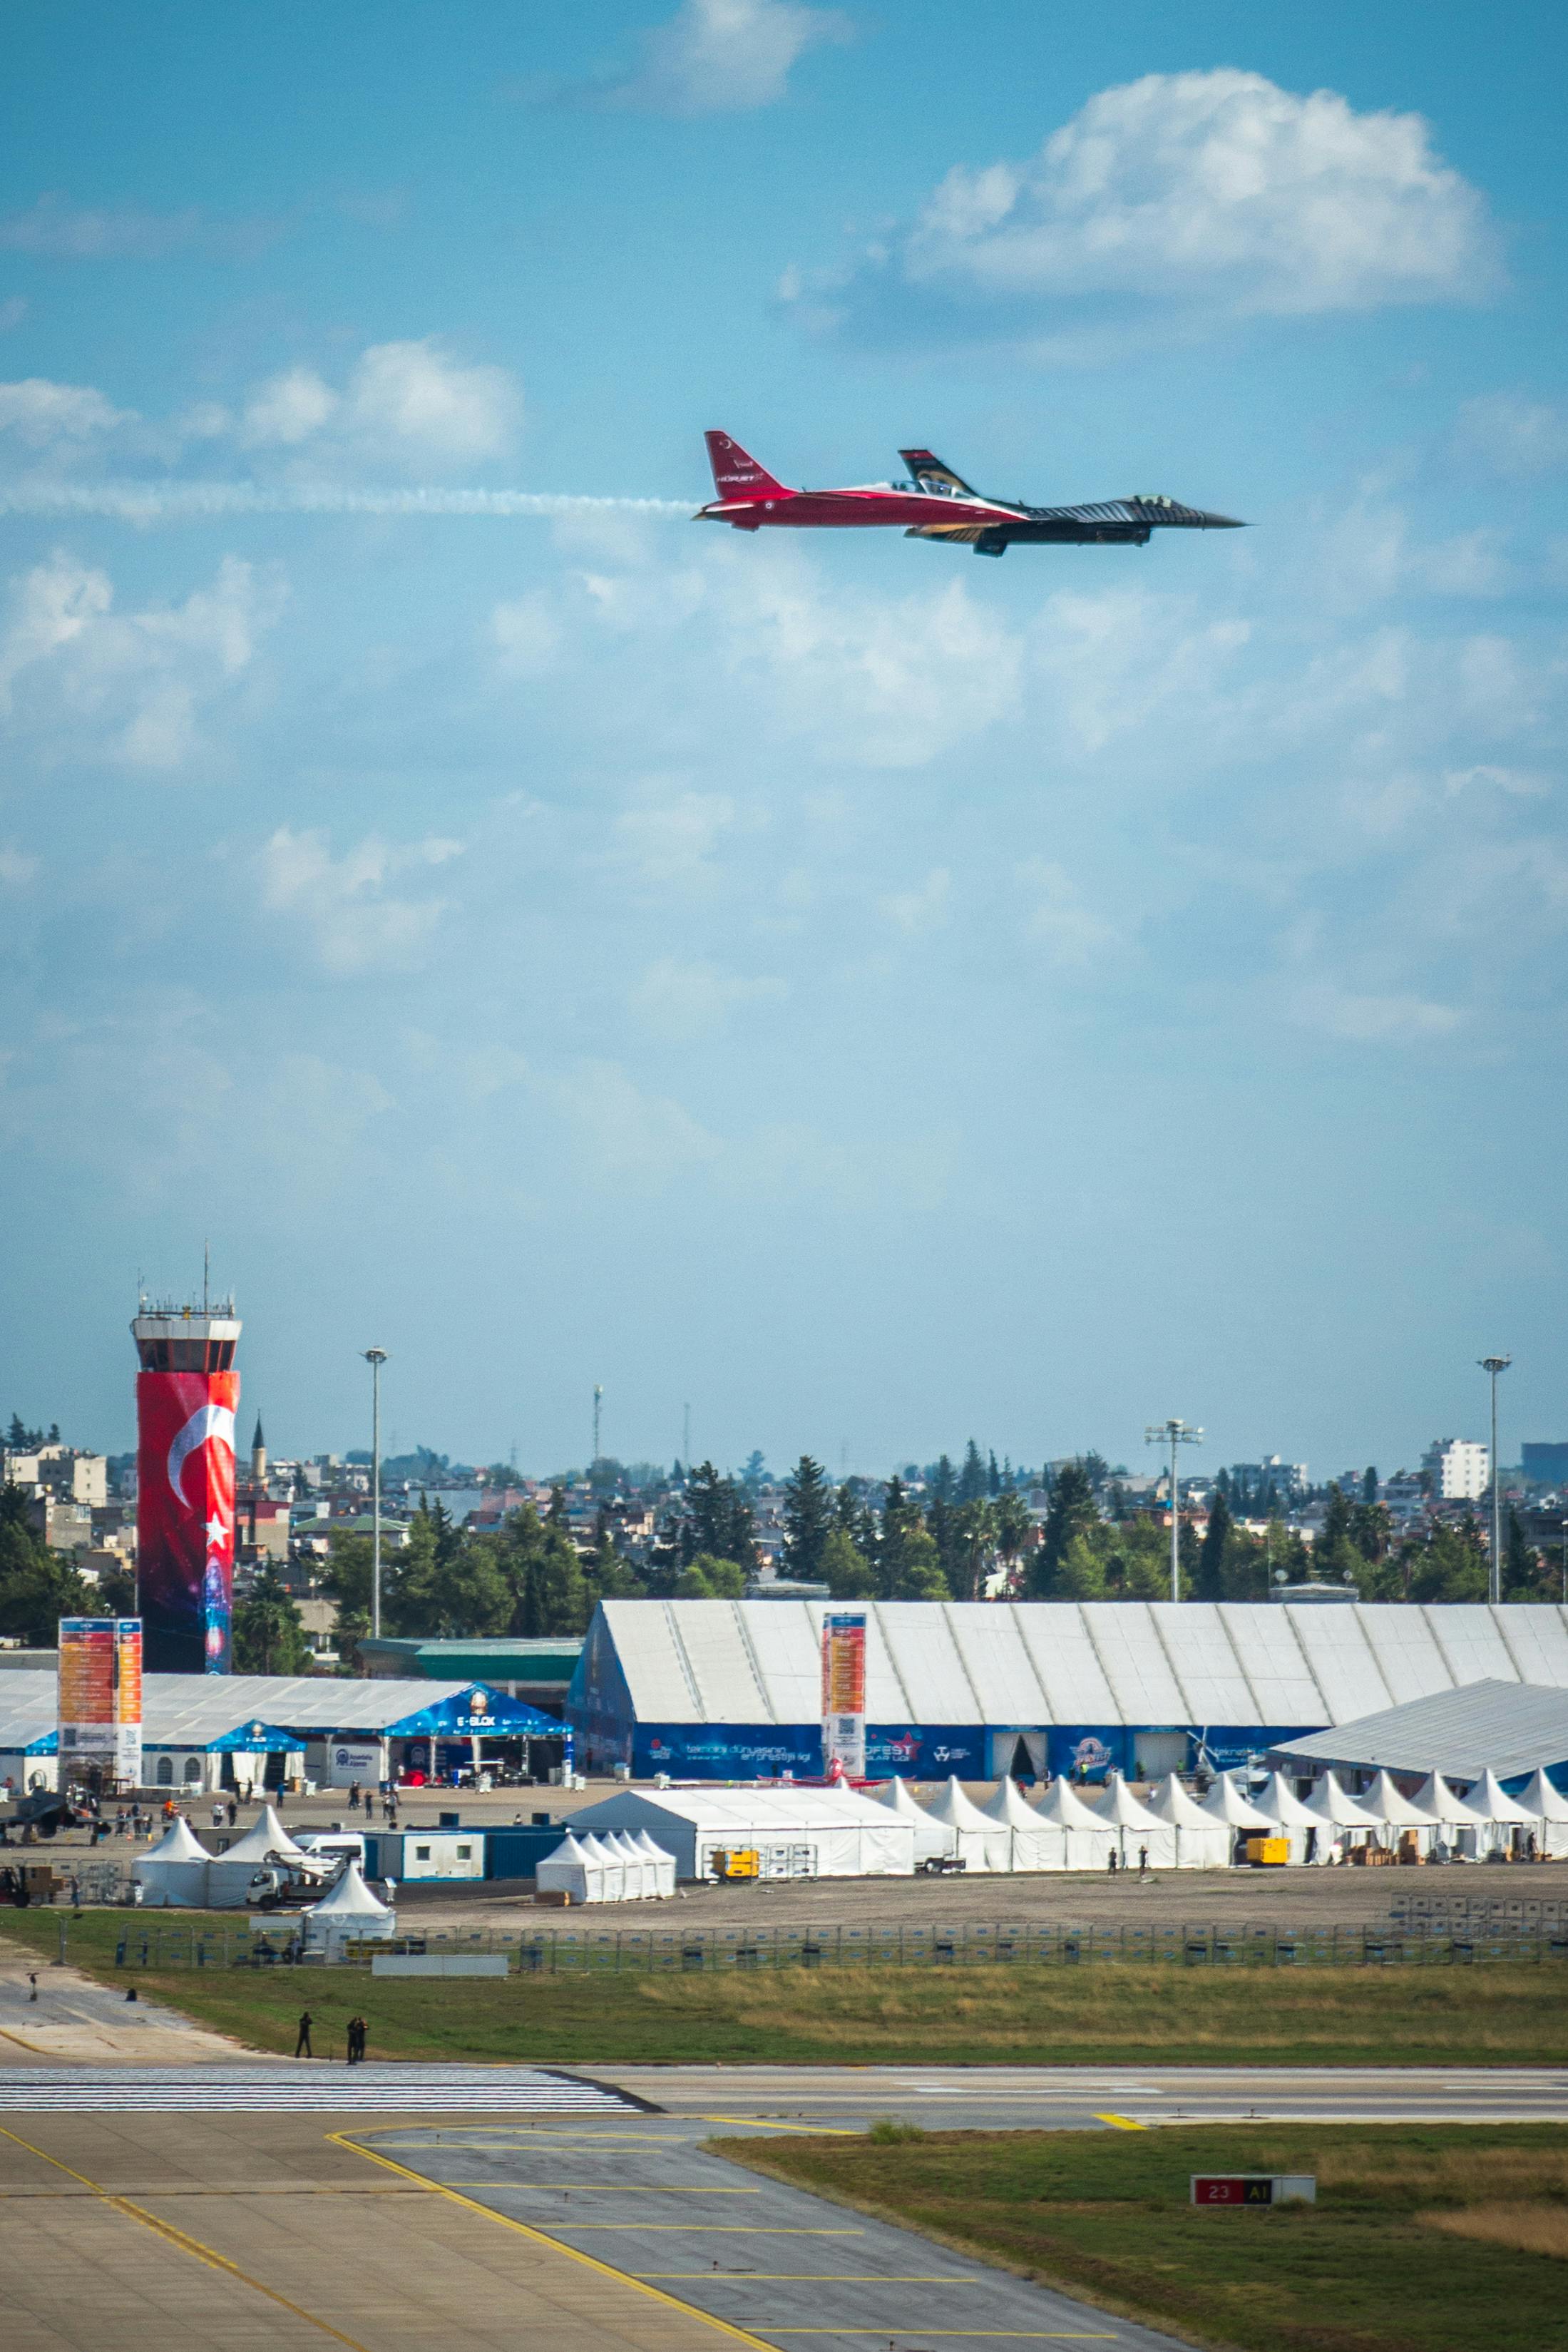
(479, 1712)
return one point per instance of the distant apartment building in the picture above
(60, 1472)
(1545, 1465)
(1251, 1481)
(1458, 1469)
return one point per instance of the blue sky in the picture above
(871, 996)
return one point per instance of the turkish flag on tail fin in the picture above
(734, 474)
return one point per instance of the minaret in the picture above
(186, 1393)
(258, 1458)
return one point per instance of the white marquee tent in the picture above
(265, 1842)
(930, 1837)
(1548, 1807)
(174, 1871)
(978, 1843)
(348, 1914)
(1201, 1842)
(1036, 1844)
(798, 1833)
(568, 1871)
(1287, 1816)
(1138, 1830)
(1088, 1839)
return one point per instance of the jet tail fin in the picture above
(925, 468)
(735, 473)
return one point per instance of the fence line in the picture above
(614, 1951)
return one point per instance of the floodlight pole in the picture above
(1492, 1366)
(1173, 1432)
(375, 1358)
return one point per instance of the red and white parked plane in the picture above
(935, 503)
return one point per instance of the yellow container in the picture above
(1268, 1853)
(738, 1862)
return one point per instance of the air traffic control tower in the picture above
(186, 1395)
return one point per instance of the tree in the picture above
(972, 1477)
(269, 1635)
(807, 1518)
(1369, 1485)
(447, 1584)
(917, 1569)
(1521, 1565)
(719, 1519)
(1450, 1564)
(1071, 1513)
(1080, 1573)
(973, 1542)
(544, 1578)
(707, 1579)
(1335, 1559)
(1012, 1526)
(943, 1479)
(846, 1571)
(1209, 1584)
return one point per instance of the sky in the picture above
(864, 995)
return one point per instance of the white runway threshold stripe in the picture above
(286, 2088)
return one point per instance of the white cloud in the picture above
(1365, 1019)
(922, 910)
(406, 404)
(1057, 918)
(1116, 656)
(1513, 435)
(670, 843)
(357, 924)
(133, 684)
(58, 231)
(681, 999)
(625, 1132)
(1209, 195)
(289, 408)
(726, 56)
(40, 413)
(526, 634)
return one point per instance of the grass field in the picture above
(1448, 2238)
(1503, 2014)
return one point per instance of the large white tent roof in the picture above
(190, 1710)
(1240, 1664)
(1505, 1726)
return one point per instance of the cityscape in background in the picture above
(481, 1549)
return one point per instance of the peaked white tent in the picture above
(1201, 1842)
(1089, 1839)
(662, 1865)
(1036, 1844)
(1138, 1830)
(611, 1869)
(348, 1914)
(1288, 1817)
(640, 1875)
(1228, 1803)
(930, 1837)
(1548, 1809)
(1337, 1812)
(1503, 1814)
(1458, 1823)
(174, 1871)
(1399, 1814)
(267, 1840)
(569, 1870)
(798, 1833)
(978, 1842)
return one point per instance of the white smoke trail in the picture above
(197, 501)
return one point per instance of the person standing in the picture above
(353, 1796)
(1143, 1862)
(357, 2032)
(233, 1813)
(302, 2047)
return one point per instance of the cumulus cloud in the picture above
(681, 999)
(1370, 1019)
(41, 413)
(405, 404)
(669, 843)
(922, 909)
(1057, 918)
(725, 56)
(58, 231)
(1512, 436)
(1185, 197)
(129, 684)
(356, 923)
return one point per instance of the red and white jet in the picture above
(935, 503)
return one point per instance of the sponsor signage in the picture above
(348, 1762)
(185, 1517)
(1254, 2189)
(100, 1695)
(843, 1693)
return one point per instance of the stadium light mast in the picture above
(375, 1358)
(1173, 1433)
(1492, 1366)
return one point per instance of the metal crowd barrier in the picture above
(615, 1952)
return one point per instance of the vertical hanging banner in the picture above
(843, 1694)
(185, 1517)
(100, 1696)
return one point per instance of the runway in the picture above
(1045, 2099)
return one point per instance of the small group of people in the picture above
(1114, 1861)
(358, 2029)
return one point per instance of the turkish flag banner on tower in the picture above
(185, 1517)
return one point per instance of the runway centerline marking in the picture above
(544, 2238)
(191, 2246)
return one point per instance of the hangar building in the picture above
(730, 1689)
